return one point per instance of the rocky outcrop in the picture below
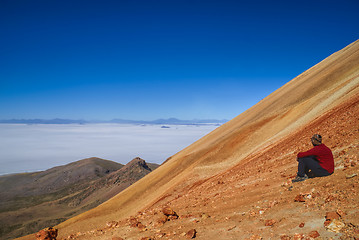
(46, 234)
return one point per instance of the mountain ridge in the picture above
(170, 121)
(31, 201)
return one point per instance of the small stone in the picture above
(330, 198)
(204, 216)
(112, 224)
(269, 222)
(298, 236)
(147, 238)
(191, 234)
(331, 215)
(314, 234)
(301, 225)
(168, 211)
(141, 226)
(255, 237)
(117, 238)
(231, 228)
(335, 226)
(284, 237)
(327, 222)
(351, 175)
(162, 219)
(299, 198)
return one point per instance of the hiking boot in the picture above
(299, 179)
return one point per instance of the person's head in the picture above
(316, 140)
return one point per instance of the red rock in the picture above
(330, 198)
(301, 225)
(169, 211)
(331, 215)
(46, 234)
(133, 221)
(141, 226)
(298, 236)
(314, 234)
(162, 219)
(191, 234)
(327, 222)
(269, 222)
(299, 198)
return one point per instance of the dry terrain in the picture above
(235, 183)
(32, 201)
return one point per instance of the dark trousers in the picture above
(310, 166)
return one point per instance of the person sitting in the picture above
(316, 162)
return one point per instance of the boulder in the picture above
(169, 211)
(191, 234)
(46, 234)
(313, 234)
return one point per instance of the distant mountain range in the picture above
(31, 201)
(170, 121)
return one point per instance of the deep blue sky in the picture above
(159, 59)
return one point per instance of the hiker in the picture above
(316, 162)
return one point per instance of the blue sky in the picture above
(159, 59)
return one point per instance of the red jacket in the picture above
(323, 154)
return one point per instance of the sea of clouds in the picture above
(29, 148)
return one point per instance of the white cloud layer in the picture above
(28, 148)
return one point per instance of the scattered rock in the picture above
(46, 234)
(141, 226)
(117, 238)
(112, 224)
(313, 234)
(146, 238)
(191, 234)
(133, 222)
(331, 215)
(168, 211)
(298, 236)
(330, 198)
(162, 219)
(204, 216)
(351, 175)
(231, 228)
(299, 198)
(255, 237)
(335, 226)
(284, 237)
(269, 222)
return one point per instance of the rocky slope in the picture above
(235, 183)
(31, 201)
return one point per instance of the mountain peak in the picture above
(138, 162)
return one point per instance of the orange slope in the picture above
(297, 103)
